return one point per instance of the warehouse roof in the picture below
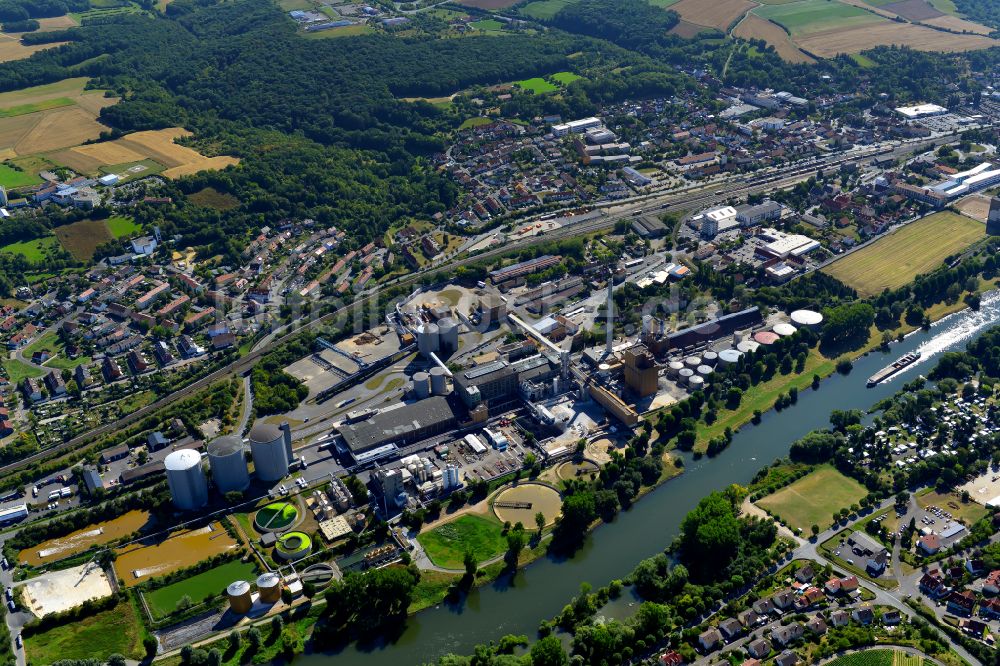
(396, 423)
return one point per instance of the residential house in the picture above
(891, 618)
(55, 383)
(992, 583)
(805, 573)
(929, 543)
(783, 635)
(811, 596)
(759, 648)
(840, 618)
(32, 389)
(961, 603)
(975, 566)
(863, 615)
(990, 608)
(786, 658)
(730, 628)
(763, 606)
(751, 618)
(783, 599)
(671, 658)
(933, 586)
(709, 639)
(817, 625)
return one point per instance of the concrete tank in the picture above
(428, 339)
(692, 361)
(705, 370)
(766, 337)
(188, 485)
(710, 358)
(439, 380)
(448, 334)
(747, 346)
(696, 383)
(730, 356)
(784, 330)
(806, 319)
(673, 368)
(421, 385)
(269, 451)
(269, 586)
(684, 376)
(228, 464)
(240, 600)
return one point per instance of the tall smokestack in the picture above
(611, 316)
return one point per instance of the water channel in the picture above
(542, 589)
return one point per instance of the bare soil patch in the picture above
(756, 27)
(956, 24)
(914, 10)
(720, 14)
(11, 48)
(686, 30)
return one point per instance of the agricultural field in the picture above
(156, 145)
(446, 544)
(81, 239)
(895, 259)
(163, 601)
(487, 25)
(686, 30)
(114, 630)
(544, 9)
(565, 78)
(11, 48)
(212, 198)
(956, 24)
(812, 16)
(755, 27)
(886, 33)
(346, 31)
(33, 250)
(719, 15)
(488, 4)
(12, 178)
(50, 117)
(537, 85)
(814, 498)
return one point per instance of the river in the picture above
(541, 590)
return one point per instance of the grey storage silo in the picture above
(228, 464)
(421, 385)
(188, 485)
(269, 452)
(427, 339)
(439, 380)
(448, 334)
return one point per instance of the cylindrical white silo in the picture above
(439, 380)
(696, 383)
(784, 330)
(684, 375)
(421, 385)
(729, 356)
(448, 333)
(806, 319)
(269, 453)
(188, 485)
(692, 361)
(427, 339)
(673, 368)
(710, 358)
(705, 370)
(748, 346)
(228, 464)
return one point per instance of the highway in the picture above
(614, 212)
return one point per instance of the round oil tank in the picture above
(448, 332)
(240, 600)
(730, 356)
(188, 485)
(269, 586)
(710, 358)
(696, 383)
(269, 453)
(692, 361)
(685, 375)
(705, 370)
(439, 380)
(428, 339)
(673, 368)
(421, 385)
(228, 464)
(748, 346)
(765, 337)
(806, 318)
(784, 330)
(737, 337)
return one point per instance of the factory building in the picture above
(703, 333)
(993, 221)
(399, 426)
(575, 126)
(496, 384)
(641, 372)
(188, 486)
(228, 464)
(271, 450)
(524, 268)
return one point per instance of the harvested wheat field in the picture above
(11, 48)
(854, 40)
(58, 129)
(755, 27)
(687, 30)
(720, 14)
(956, 24)
(157, 145)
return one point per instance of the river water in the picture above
(612, 551)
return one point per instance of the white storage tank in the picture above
(705, 370)
(188, 485)
(269, 452)
(784, 330)
(748, 346)
(439, 380)
(421, 385)
(427, 339)
(692, 361)
(696, 383)
(673, 368)
(228, 464)
(684, 376)
(730, 356)
(710, 358)
(806, 319)
(448, 333)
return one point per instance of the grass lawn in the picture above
(66, 363)
(863, 60)
(127, 171)
(213, 582)
(49, 341)
(115, 630)
(346, 31)
(447, 544)
(43, 105)
(475, 121)
(33, 250)
(894, 260)
(431, 589)
(866, 658)
(82, 238)
(812, 16)
(13, 178)
(536, 85)
(968, 512)
(487, 25)
(544, 9)
(565, 78)
(812, 499)
(663, 3)
(120, 225)
(17, 371)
